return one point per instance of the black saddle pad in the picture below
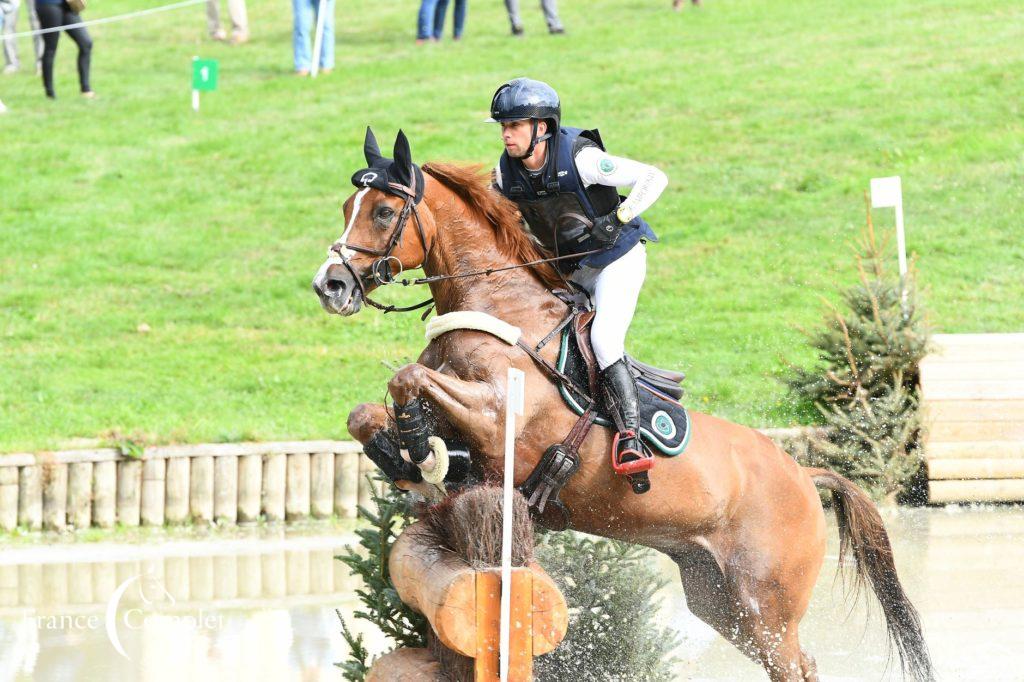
(664, 423)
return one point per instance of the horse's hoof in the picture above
(435, 466)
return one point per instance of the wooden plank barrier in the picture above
(462, 605)
(972, 388)
(221, 483)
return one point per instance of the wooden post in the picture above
(274, 575)
(250, 576)
(9, 577)
(274, 477)
(225, 577)
(176, 490)
(321, 572)
(80, 584)
(200, 578)
(55, 584)
(55, 496)
(104, 493)
(297, 571)
(366, 469)
(104, 581)
(321, 477)
(346, 484)
(30, 497)
(80, 494)
(200, 485)
(225, 489)
(296, 500)
(153, 490)
(250, 482)
(129, 485)
(8, 498)
(30, 585)
(176, 577)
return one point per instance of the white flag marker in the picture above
(318, 40)
(888, 193)
(514, 399)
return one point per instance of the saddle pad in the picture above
(664, 423)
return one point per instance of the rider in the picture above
(564, 184)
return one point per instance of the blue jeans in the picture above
(304, 34)
(460, 18)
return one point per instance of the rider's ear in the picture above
(370, 150)
(403, 160)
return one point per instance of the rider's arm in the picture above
(646, 182)
(496, 177)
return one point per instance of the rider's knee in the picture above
(607, 352)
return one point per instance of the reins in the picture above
(380, 271)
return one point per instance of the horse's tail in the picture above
(862, 532)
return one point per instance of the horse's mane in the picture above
(472, 185)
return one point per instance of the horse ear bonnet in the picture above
(382, 172)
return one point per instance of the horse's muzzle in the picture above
(336, 289)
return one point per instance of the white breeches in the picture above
(614, 290)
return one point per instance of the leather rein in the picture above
(380, 271)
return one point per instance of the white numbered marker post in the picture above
(514, 399)
(888, 193)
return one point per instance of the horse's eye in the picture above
(385, 213)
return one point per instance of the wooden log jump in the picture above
(462, 605)
(972, 388)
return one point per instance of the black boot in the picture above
(630, 458)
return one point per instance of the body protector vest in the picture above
(559, 211)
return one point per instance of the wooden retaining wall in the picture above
(223, 483)
(972, 389)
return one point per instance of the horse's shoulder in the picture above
(466, 353)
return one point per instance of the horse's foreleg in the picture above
(372, 425)
(471, 408)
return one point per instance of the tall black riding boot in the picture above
(629, 458)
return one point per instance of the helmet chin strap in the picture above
(534, 140)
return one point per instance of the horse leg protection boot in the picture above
(412, 430)
(382, 449)
(628, 457)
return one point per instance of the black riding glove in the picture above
(606, 229)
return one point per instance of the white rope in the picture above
(107, 20)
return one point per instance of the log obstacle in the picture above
(972, 388)
(458, 589)
(221, 483)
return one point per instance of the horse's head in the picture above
(383, 234)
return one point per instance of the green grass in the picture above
(769, 118)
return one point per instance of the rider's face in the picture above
(516, 135)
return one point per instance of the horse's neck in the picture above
(463, 244)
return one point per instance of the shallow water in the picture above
(263, 608)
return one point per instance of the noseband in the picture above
(380, 271)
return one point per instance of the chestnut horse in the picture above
(740, 517)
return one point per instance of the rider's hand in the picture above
(606, 229)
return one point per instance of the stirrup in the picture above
(644, 461)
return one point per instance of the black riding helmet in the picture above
(525, 98)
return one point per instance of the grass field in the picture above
(768, 117)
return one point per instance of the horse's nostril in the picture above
(334, 286)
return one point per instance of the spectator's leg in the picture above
(513, 16)
(460, 17)
(49, 17)
(84, 42)
(213, 20)
(327, 47)
(550, 8)
(425, 20)
(440, 9)
(9, 21)
(239, 20)
(302, 11)
(37, 40)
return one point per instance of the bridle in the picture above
(380, 271)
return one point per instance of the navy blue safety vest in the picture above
(560, 211)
